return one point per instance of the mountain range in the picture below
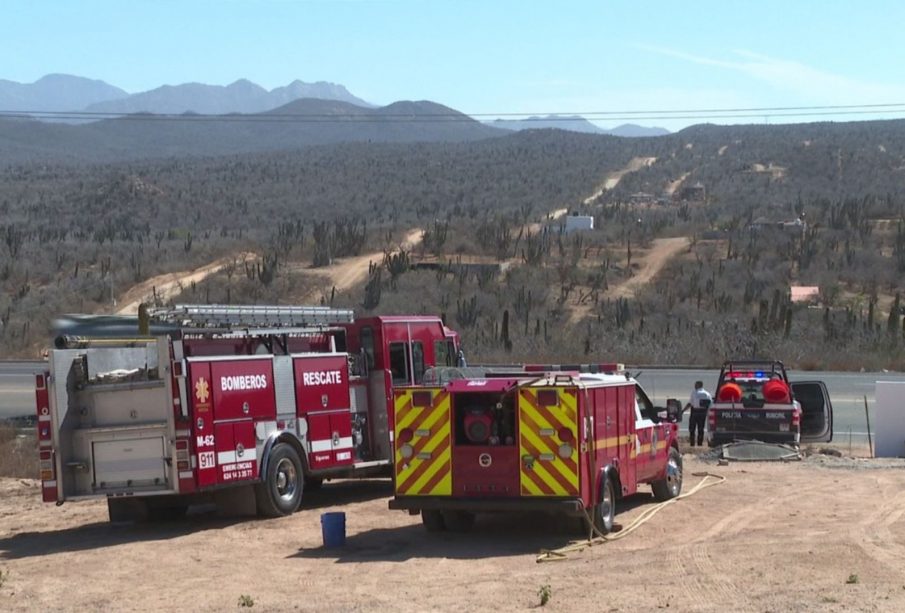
(301, 123)
(576, 123)
(78, 98)
(66, 93)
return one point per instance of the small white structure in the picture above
(890, 418)
(579, 222)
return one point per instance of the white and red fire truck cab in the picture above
(557, 441)
(271, 398)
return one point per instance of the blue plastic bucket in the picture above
(333, 528)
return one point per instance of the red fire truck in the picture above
(561, 440)
(272, 399)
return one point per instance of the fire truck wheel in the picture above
(458, 521)
(671, 485)
(281, 491)
(605, 510)
(433, 520)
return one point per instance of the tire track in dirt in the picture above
(703, 581)
(873, 536)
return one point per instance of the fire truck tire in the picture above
(458, 521)
(671, 485)
(433, 520)
(280, 493)
(605, 510)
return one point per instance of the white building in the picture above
(579, 222)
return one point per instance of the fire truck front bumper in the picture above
(416, 504)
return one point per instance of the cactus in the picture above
(504, 332)
(467, 312)
(373, 289)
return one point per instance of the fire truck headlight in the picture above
(565, 451)
(406, 451)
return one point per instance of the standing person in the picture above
(698, 403)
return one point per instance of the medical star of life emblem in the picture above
(202, 390)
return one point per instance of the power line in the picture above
(378, 117)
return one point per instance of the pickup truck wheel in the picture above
(433, 520)
(671, 485)
(605, 510)
(280, 493)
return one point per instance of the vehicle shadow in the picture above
(493, 535)
(100, 535)
(346, 491)
(201, 517)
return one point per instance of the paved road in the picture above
(847, 392)
(17, 385)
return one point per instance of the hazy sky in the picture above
(484, 56)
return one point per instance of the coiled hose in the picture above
(595, 537)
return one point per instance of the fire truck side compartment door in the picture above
(549, 464)
(226, 449)
(423, 439)
(320, 440)
(236, 451)
(816, 411)
(243, 389)
(202, 420)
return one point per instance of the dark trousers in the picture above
(696, 422)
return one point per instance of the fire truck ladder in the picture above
(190, 316)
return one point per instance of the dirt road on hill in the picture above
(171, 284)
(346, 273)
(824, 534)
(651, 263)
(612, 179)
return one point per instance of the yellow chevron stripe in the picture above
(544, 469)
(436, 421)
(437, 463)
(413, 414)
(569, 406)
(434, 413)
(529, 485)
(541, 470)
(556, 463)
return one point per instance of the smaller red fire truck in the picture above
(226, 403)
(548, 438)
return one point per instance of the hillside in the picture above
(575, 123)
(675, 279)
(301, 123)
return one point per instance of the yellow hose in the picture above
(548, 555)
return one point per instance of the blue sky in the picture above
(484, 56)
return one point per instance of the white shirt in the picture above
(697, 396)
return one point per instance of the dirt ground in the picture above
(823, 534)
